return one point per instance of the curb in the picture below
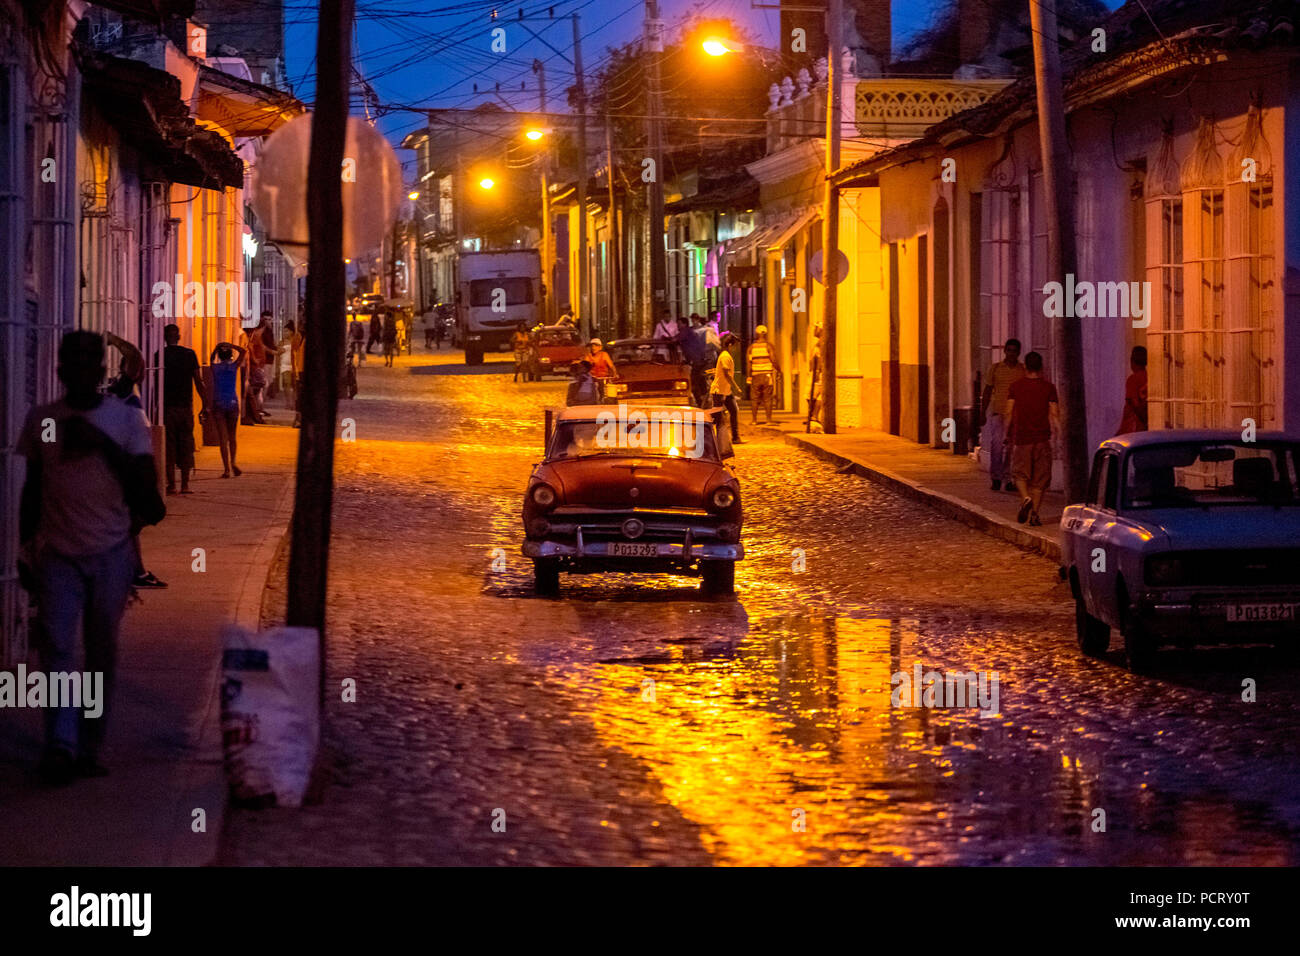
(948, 505)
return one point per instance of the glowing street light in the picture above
(413, 195)
(534, 134)
(487, 182)
(716, 47)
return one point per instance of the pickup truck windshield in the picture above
(518, 291)
(1196, 474)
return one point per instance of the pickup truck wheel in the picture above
(1093, 635)
(719, 577)
(546, 577)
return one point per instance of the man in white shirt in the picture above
(75, 528)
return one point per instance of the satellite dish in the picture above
(841, 269)
(372, 188)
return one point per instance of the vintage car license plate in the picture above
(1259, 613)
(623, 549)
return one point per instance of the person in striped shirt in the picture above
(760, 362)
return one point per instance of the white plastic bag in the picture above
(270, 712)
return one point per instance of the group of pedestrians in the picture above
(708, 353)
(1022, 423)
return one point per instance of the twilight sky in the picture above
(429, 53)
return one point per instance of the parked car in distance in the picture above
(1186, 537)
(633, 488)
(649, 369)
(552, 349)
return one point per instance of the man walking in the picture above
(761, 366)
(180, 379)
(1033, 412)
(519, 345)
(88, 455)
(1134, 418)
(1002, 375)
(724, 389)
(692, 347)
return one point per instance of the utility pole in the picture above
(1067, 336)
(654, 47)
(615, 255)
(326, 303)
(548, 302)
(392, 262)
(831, 217)
(584, 309)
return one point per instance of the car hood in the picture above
(1245, 526)
(626, 481)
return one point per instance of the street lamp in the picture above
(487, 182)
(534, 134)
(715, 47)
(413, 195)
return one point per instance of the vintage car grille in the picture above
(658, 525)
(1239, 567)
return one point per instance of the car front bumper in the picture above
(670, 552)
(1192, 617)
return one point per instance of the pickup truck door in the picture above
(1098, 537)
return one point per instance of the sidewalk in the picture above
(163, 744)
(951, 484)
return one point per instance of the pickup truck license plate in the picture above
(1260, 613)
(623, 549)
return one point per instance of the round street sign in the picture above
(841, 266)
(372, 187)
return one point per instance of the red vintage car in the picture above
(649, 369)
(553, 348)
(633, 488)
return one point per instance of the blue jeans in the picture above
(93, 590)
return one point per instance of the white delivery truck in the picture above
(495, 292)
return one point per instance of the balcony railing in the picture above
(904, 108)
(876, 108)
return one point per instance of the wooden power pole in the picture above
(326, 302)
(583, 303)
(831, 217)
(1067, 337)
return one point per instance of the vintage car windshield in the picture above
(557, 337)
(658, 437)
(1197, 474)
(664, 351)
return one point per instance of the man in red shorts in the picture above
(1033, 412)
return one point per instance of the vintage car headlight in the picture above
(681, 386)
(724, 498)
(543, 495)
(545, 361)
(1164, 571)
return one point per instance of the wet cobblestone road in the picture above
(770, 711)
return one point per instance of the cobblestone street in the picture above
(766, 710)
